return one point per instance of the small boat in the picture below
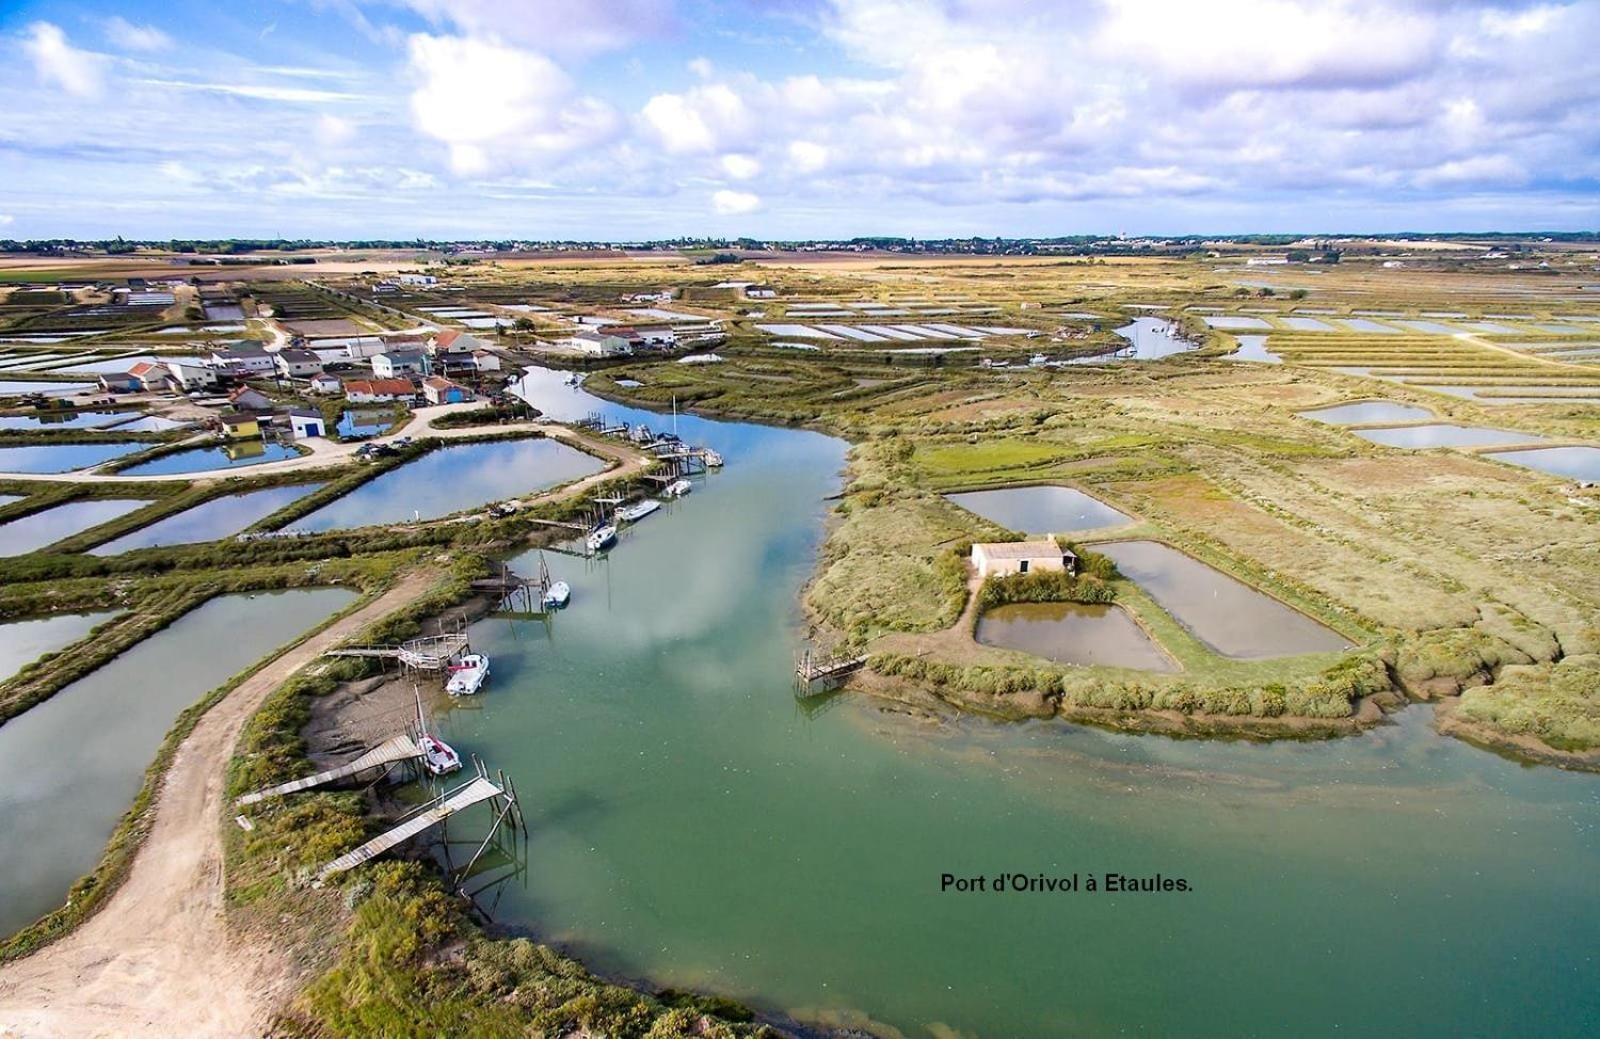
(556, 595)
(678, 488)
(603, 536)
(638, 511)
(571, 379)
(713, 459)
(438, 757)
(467, 677)
(1038, 360)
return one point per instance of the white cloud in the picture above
(57, 62)
(330, 131)
(128, 36)
(704, 119)
(740, 167)
(1531, 22)
(259, 92)
(553, 26)
(1481, 170)
(497, 105)
(733, 203)
(6, 219)
(807, 156)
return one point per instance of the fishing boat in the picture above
(556, 595)
(571, 379)
(603, 536)
(467, 677)
(438, 757)
(678, 488)
(638, 511)
(713, 459)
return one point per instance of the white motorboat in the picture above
(603, 536)
(638, 511)
(713, 459)
(678, 488)
(557, 595)
(438, 757)
(467, 677)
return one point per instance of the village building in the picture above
(245, 357)
(375, 391)
(303, 423)
(442, 391)
(421, 280)
(296, 362)
(597, 344)
(245, 398)
(326, 385)
(238, 426)
(119, 382)
(190, 376)
(453, 342)
(399, 363)
(486, 360)
(1005, 558)
(152, 376)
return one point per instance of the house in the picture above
(453, 342)
(443, 391)
(119, 382)
(400, 362)
(486, 360)
(1002, 559)
(296, 362)
(246, 357)
(324, 384)
(375, 391)
(246, 399)
(190, 376)
(304, 423)
(597, 344)
(238, 426)
(423, 280)
(664, 336)
(152, 376)
(760, 292)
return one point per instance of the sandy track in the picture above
(158, 959)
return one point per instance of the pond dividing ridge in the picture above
(1073, 633)
(75, 761)
(39, 529)
(24, 641)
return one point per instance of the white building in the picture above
(1005, 558)
(190, 376)
(597, 344)
(306, 423)
(324, 384)
(486, 360)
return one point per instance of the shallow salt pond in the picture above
(1228, 615)
(450, 479)
(1088, 634)
(1368, 412)
(1308, 324)
(24, 641)
(1234, 321)
(1579, 463)
(1445, 434)
(1254, 348)
(75, 761)
(1040, 510)
(47, 420)
(20, 387)
(1359, 324)
(61, 458)
(217, 518)
(39, 529)
(235, 455)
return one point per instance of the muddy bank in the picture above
(1526, 749)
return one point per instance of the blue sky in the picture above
(622, 119)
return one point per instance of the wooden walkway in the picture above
(476, 791)
(813, 675)
(399, 748)
(430, 653)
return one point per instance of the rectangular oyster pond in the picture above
(1073, 633)
(1445, 434)
(1226, 614)
(234, 455)
(39, 529)
(1040, 510)
(1579, 463)
(24, 641)
(450, 479)
(61, 458)
(217, 518)
(91, 742)
(1369, 412)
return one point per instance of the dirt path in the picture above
(158, 959)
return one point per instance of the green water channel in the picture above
(692, 825)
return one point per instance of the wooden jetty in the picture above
(818, 674)
(389, 752)
(429, 653)
(476, 790)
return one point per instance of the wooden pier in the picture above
(819, 674)
(389, 752)
(474, 791)
(429, 653)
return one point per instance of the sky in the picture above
(621, 120)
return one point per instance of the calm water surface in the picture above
(217, 518)
(89, 744)
(45, 420)
(1235, 321)
(1580, 463)
(1368, 412)
(691, 825)
(453, 478)
(36, 530)
(1445, 434)
(1254, 348)
(23, 642)
(1073, 633)
(1040, 510)
(61, 458)
(235, 455)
